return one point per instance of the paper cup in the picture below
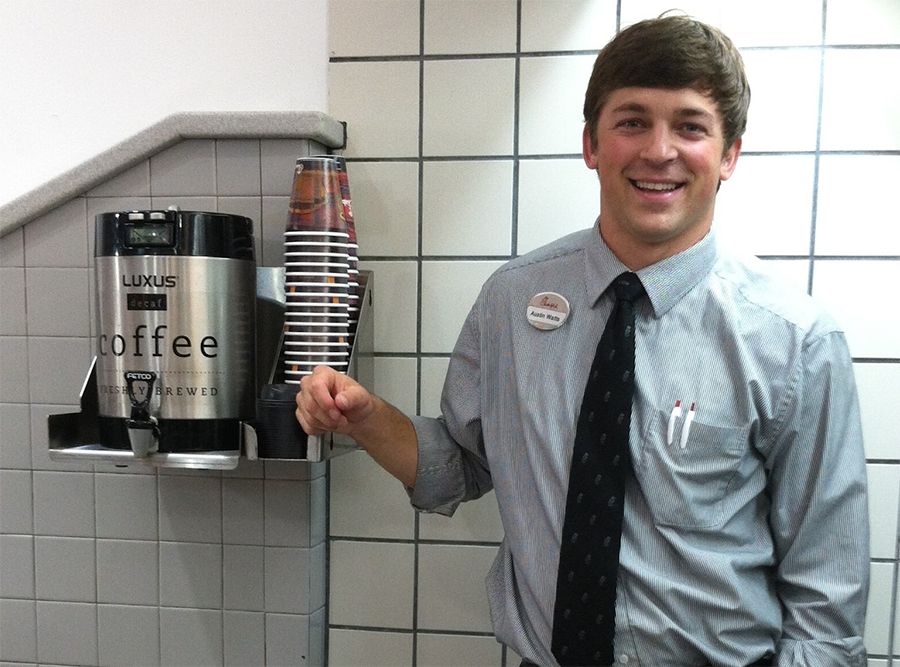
(313, 235)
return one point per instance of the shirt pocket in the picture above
(685, 487)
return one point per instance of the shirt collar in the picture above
(666, 282)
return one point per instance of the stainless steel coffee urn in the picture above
(176, 298)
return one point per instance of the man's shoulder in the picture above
(771, 294)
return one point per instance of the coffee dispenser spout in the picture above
(143, 430)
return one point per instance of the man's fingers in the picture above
(355, 402)
(317, 410)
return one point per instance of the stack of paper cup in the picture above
(316, 259)
(353, 246)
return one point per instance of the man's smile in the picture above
(655, 187)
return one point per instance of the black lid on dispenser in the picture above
(174, 232)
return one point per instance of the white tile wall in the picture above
(871, 330)
(385, 571)
(798, 199)
(780, 222)
(874, 232)
(12, 252)
(470, 26)
(551, 93)
(449, 597)
(190, 636)
(368, 502)
(245, 638)
(467, 208)
(128, 572)
(884, 503)
(12, 301)
(387, 123)
(880, 591)
(374, 28)
(852, 75)
(362, 648)
(386, 196)
(878, 386)
(395, 314)
(448, 291)
(18, 632)
(66, 633)
(17, 553)
(768, 127)
(863, 22)
(556, 197)
(435, 650)
(633, 11)
(103, 565)
(125, 631)
(468, 107)
(798, 23)
(74, 582)
(567, 25)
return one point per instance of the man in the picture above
(744, 529)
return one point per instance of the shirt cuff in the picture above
(440, 482)
(847, 652)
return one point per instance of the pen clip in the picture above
(686, 427)
(675, 414)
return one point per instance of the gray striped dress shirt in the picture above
(746, 532)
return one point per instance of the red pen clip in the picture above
(686, 427)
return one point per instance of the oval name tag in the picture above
(547, 310)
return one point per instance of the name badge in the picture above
(547, 310)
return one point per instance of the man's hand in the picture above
(331, 401)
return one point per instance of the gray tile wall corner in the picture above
(190, 567)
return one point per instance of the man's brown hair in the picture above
(673, 52)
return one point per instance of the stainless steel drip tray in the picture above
(74, 436)
(124, 457)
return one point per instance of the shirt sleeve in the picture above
(819, 512)
(452, 463)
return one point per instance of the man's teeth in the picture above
(643, 185)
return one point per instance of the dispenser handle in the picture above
(140, 407)
(142, 427)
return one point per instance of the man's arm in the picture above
(819, 514)
(330, 401)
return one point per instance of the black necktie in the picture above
(585, 613)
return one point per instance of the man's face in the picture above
(660, 155)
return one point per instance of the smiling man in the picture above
(672, 434)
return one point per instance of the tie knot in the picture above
(628, 287)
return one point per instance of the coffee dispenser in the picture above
(175, 350)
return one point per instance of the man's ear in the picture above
(588, 148)
(729, 161)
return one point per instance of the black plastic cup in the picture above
(278, 433)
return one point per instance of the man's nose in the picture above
(659, 146)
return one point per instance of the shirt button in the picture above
(623, 659)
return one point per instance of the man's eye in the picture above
(630, 124)
(692, 128)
